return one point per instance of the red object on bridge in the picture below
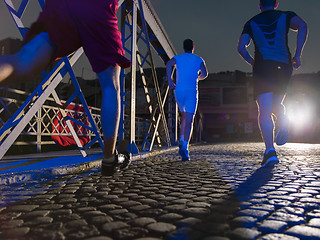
(59, 126)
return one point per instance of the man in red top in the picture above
(62, 27)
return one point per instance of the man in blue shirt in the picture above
(190, 69)
(272, 68)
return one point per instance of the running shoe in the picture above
(184, 152)
(282, 136)
(270, 158)
(121, 162)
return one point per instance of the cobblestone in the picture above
(244, 233)
(277, 236)
(304, 232)
(221, 194)
(315, 222)
(246, 221)
(272, 226)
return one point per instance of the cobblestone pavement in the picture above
(221, 194)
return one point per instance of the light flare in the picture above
(300, 114)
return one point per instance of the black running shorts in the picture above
(271, 76)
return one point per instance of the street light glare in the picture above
(300, 115)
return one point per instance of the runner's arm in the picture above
(170, 65)
(203, 71)
(244, 42)
(297, 24)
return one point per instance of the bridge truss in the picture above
(143, 37)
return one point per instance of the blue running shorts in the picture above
(187, 100)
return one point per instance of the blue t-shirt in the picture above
(188, 67)
(269, 32)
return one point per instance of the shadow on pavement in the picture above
(218, 225)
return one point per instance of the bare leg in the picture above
(110, 109)
(32, 58)
(280, 111)
(182, 125)
(265, 120)
(189, 117)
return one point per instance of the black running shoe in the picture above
(121, 161)
(270, 158)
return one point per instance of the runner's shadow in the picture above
(258, 179)
(225, 209)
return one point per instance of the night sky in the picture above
(215, 26)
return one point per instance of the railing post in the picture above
(133, 147)
(39, 130)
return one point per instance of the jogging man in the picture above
(190, 69)
(63, 27)
(272, 68)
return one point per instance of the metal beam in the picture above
(162, 39)
(133, 147)
(54, 78)
(146, 27)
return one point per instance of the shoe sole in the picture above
(125, 164)
(282, 137)
(271, 162)
(127, 160)
(109, 170)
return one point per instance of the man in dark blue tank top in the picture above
(272, 68)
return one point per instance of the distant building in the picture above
(227, 107)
